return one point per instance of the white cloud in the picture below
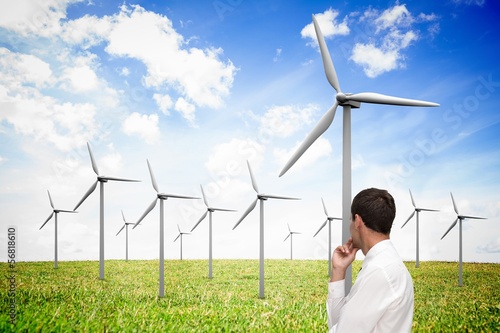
(26, 68)
(328, 24)
(187, 110)
(164, 102)
(81, 78)
(284, 120)
(374, 60)
(144, 126)
(395, 17)
(491, 247)
(277, 55)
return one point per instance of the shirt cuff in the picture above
(336, 289)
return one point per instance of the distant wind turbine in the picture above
(180, 236)
(101, 180)
(347, 101)
(459, 219)
(260, 197)
(209, 211)
(55, 212)
(290, 235)
(329, 220)
(417, 211)
(125, 226)
(161, 197)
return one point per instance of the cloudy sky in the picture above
(201, 87)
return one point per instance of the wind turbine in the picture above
(329, 220)
(347, 101)
(290, 234)
(161, 197)
(209, 211)
(55, 212)
(260, 197)
(417, 211)
(180, 236)
(459, 219)
(125, 226)
(101, 180)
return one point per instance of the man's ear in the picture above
(358, 221)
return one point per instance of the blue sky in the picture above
(200, 87)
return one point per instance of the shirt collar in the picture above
(375, 250)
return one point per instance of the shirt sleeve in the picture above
(366, 303)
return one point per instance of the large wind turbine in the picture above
(347, 101)
(180, 236)
(329, 220)
(260, 197)
(290, 235)
(417, 211)
(101, 180)
(459, 219)
(55, 212)
(161, 197)
(125, 226)
(209, 211)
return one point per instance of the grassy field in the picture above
(72, 298)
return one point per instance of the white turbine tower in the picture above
(290, 235)
(347, 101)
(417, 211)
(329, 220)
(209, 211)
(260, 197)
(459, 219)
(180, 236)
(55, 212)
(125, 226)
(161, 197)
(101, 180)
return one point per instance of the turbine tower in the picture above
(161, 197)
(209, 211)
(329, 220)
(459, 219)
(180, 236)
(101, 180)
(55, 212)
(125, 226)
(347, 101)
(260, 197)
(290, 234)
(417, 211)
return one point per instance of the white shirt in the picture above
(381, 299)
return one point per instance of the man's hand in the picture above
(342, 257)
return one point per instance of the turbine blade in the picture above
(92, 160)
(249, 209)
(454, 204)
(320, 128)
(273, 196)
(408, 219)
(50, 199)
(120, 179)
(254, 183)
(428, 210)
(473, 217)
(123, 215)
(120, 230)
(376, 98)
(177, 196)
(412, 201)
(150, 208)
(223, 209)
(324, 207)
(66, 211)
(451, 227)
(176, 238)
(153, 180)
(330, 72)
(288, 227)
(204, 196)
(85, 196)
(287, 237)
(322, 226)
(179, 229)
(199, 221)
(47, 220)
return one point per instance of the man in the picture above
(381, 299)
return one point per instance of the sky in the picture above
(199, 88)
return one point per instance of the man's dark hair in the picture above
(377, 209)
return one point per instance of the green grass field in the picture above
(72, 298)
